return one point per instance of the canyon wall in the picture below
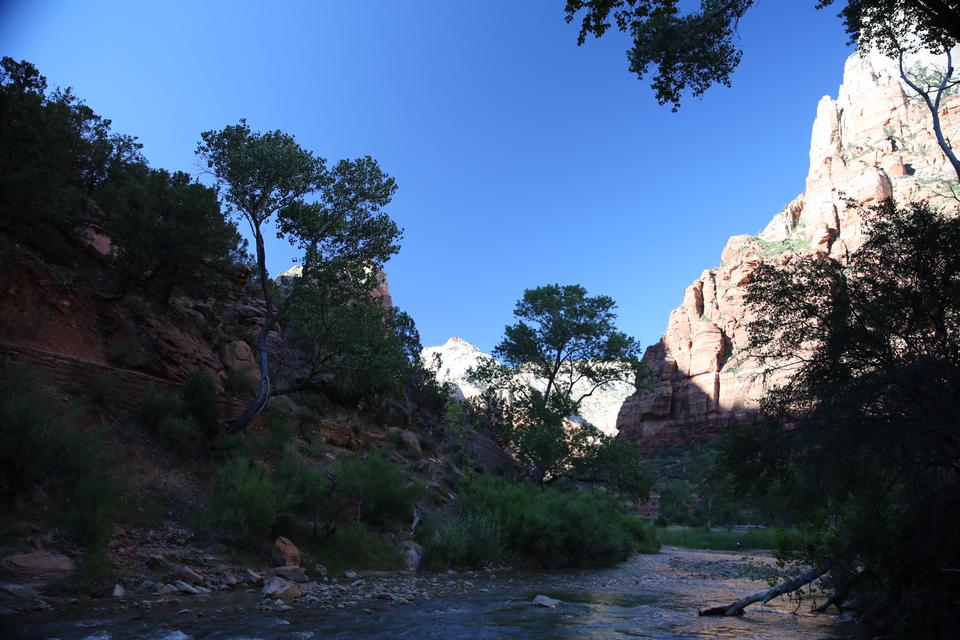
(875, 140)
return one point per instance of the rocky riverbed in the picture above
(653, 596)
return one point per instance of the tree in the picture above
(863, 442)
(263, 175)
(169, 233)
(694, 50)
(568, 341)
(56, 154)
(563, 347)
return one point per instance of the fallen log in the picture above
(805, 578)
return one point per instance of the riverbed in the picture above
(649, 596)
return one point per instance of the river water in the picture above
(654, 596)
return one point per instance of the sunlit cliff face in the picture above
(874, 141)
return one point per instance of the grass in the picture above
(720, 539)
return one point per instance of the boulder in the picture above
(191, 576)
(237, 355)
(487, 455)
(409, 438)
(280, 588)
(545, 601)
(21, 591)
(38, 563)
(294, 574)
(285, 552)
(320, 570)
(186, 588)
(412, 555)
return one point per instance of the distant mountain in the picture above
(457, 356)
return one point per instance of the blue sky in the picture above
(521, 158)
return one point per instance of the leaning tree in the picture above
(333, 215)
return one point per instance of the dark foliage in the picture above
(863, 444)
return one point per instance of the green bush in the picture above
(378, 491)
(38, 446)
(186, 419)
(306, 492)
(241, 382)
(30, 443)
(354, 546)
(246, 501)
(471, 540)
(199, 395)
(281, 428)
(94, 494)
(553, 529)
(180, 434)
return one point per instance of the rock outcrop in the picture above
(875, 140)
(457, 356)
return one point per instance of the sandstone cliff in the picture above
(873, 141)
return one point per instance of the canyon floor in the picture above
(649, 596)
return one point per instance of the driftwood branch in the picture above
(805, 578)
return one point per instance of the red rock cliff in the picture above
(873, 141)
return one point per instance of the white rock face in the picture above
(457, 356)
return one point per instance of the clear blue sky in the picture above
(521, 159)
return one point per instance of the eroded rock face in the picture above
(875, 140)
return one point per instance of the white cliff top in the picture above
(458, 356)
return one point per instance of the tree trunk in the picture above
(934, 107)
(240, 422)
(736, 608)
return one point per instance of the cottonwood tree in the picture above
(863, 444)
(326, 212)
(562, 349)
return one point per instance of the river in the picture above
(652, 596)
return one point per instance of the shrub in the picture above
(40, 447)
(184, 419)
(379, 491)
(156, 406)
(241, 382)
(306, 492)
(246, 501)
(199, 395)
(553, 529)
(354, 546)
(29, 431)
(94, 494)
(471, 540)
(180, 434)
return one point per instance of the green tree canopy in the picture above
(56, 154)
(333, 215)
(693, 50)
(563, 347)
(169, 233)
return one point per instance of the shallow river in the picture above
(647, 597)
